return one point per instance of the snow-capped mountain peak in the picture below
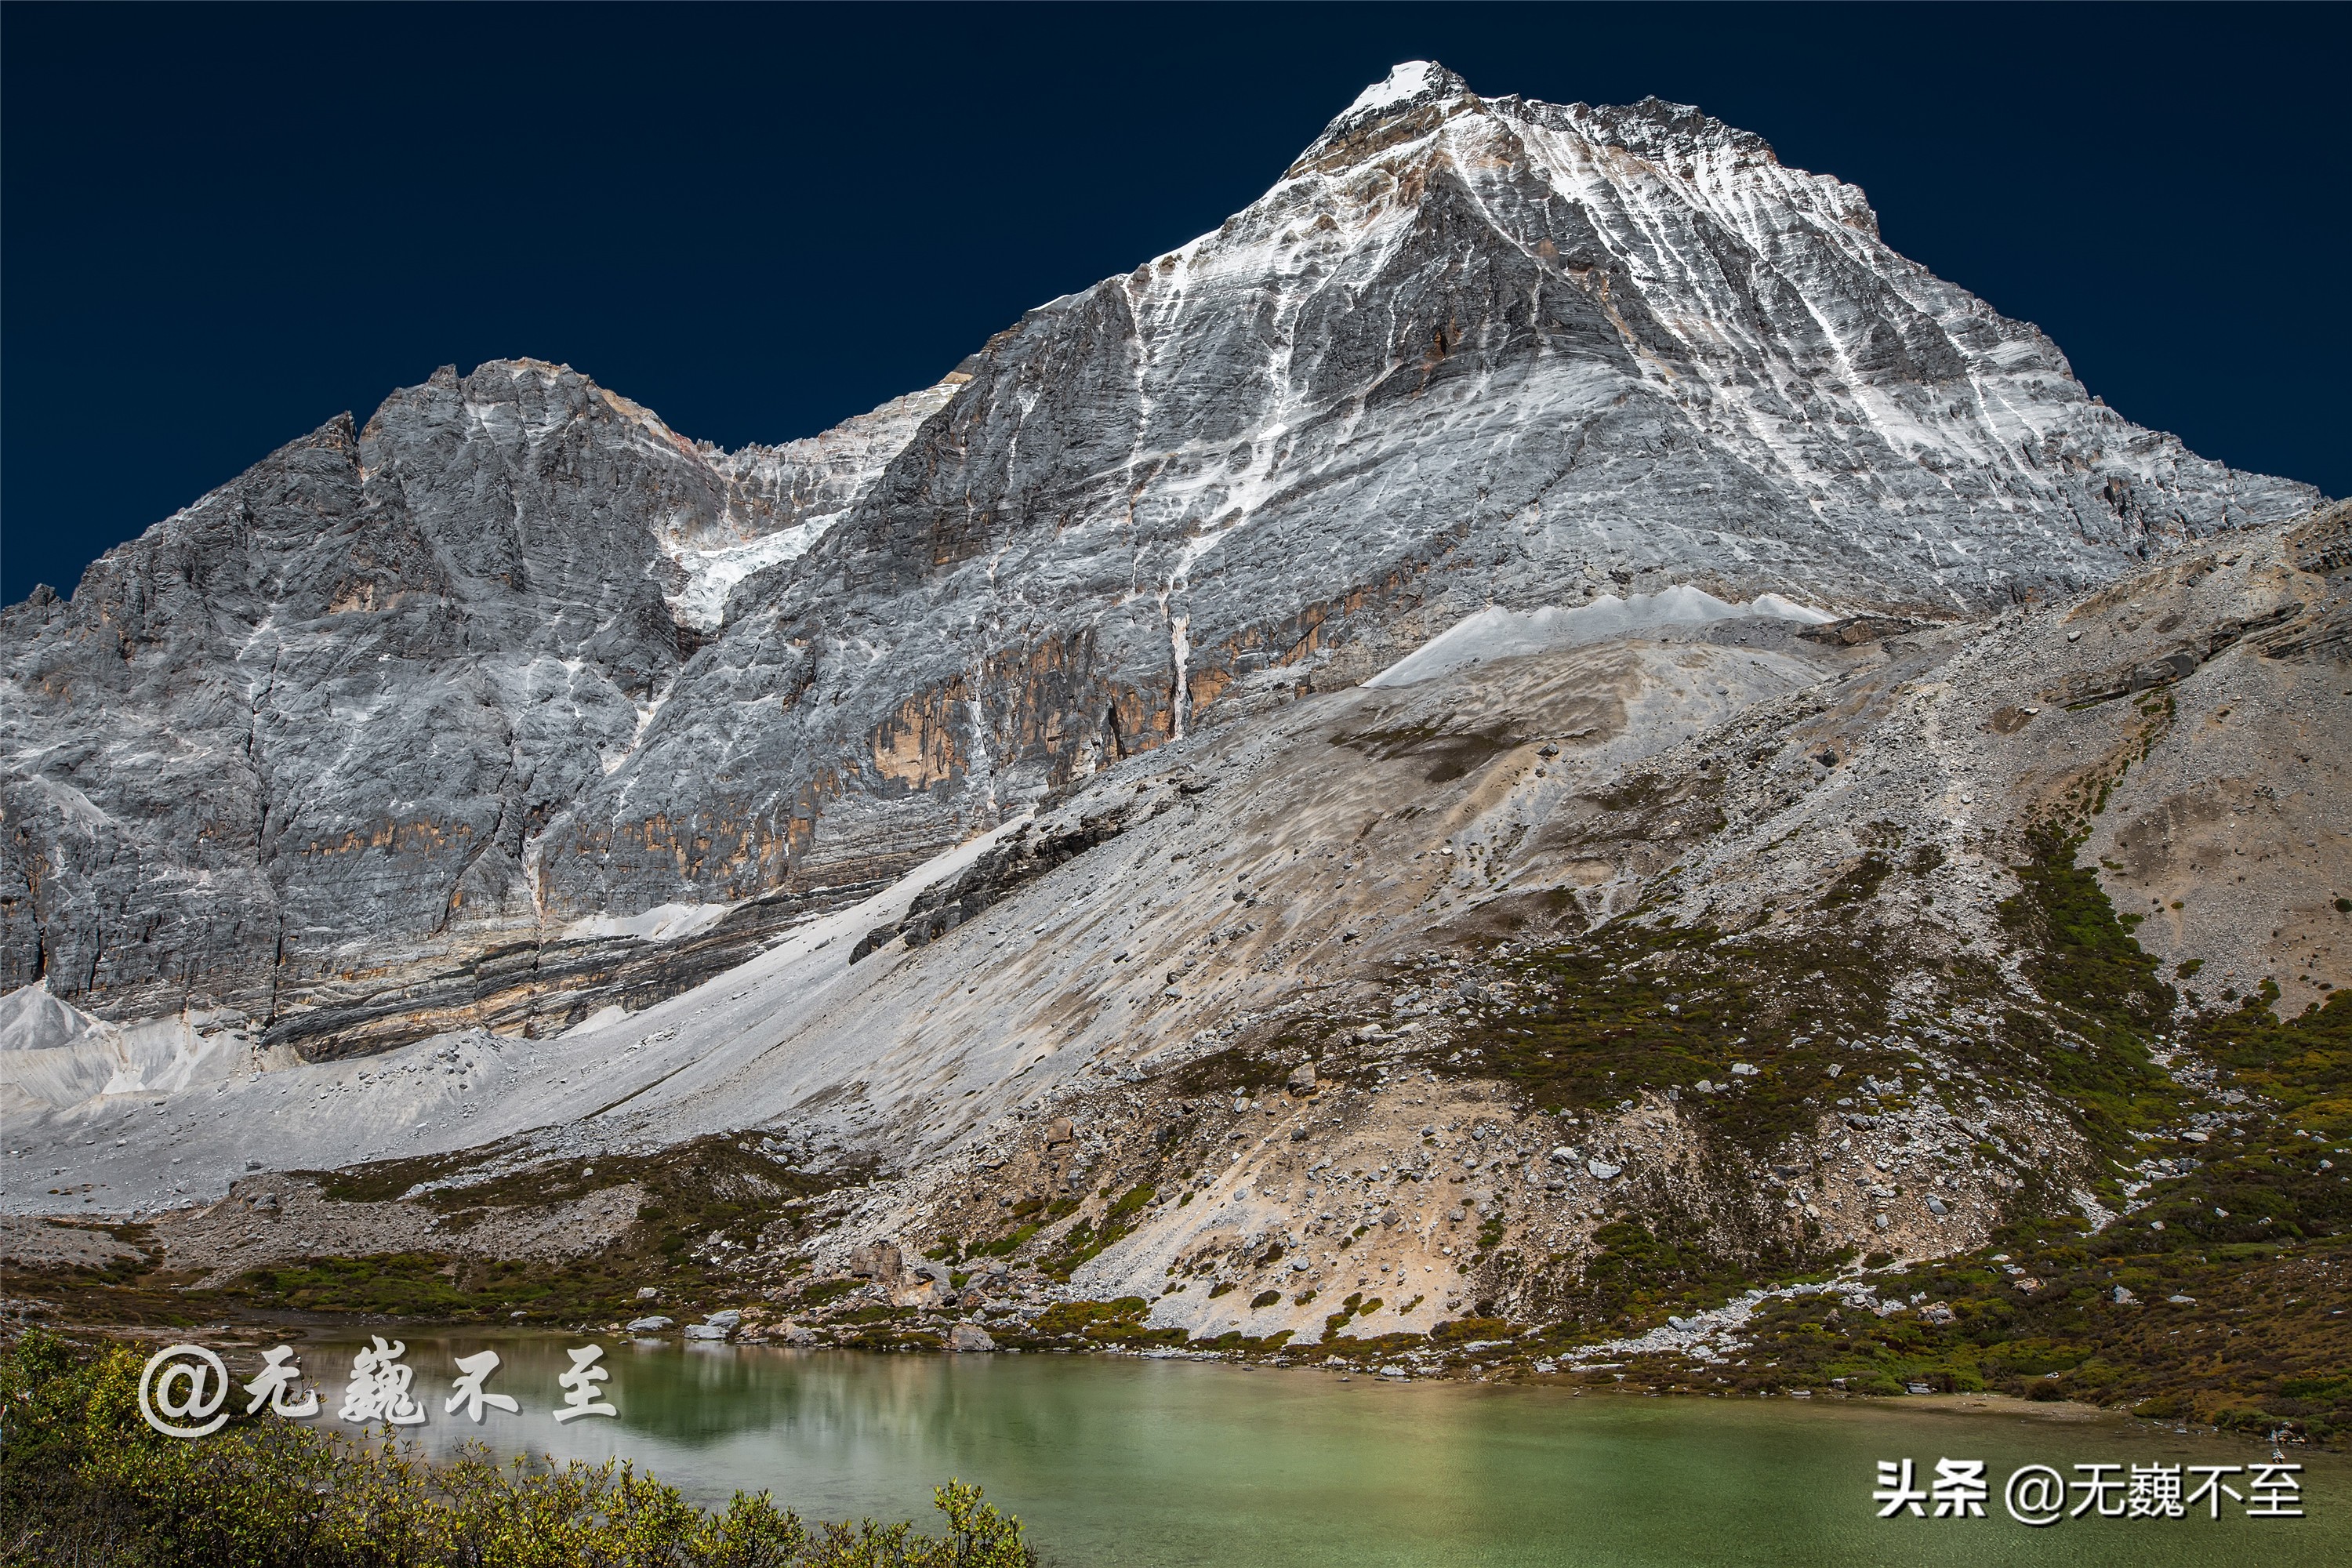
(517, 657)
(1414, 82)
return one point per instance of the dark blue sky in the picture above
(222, 226)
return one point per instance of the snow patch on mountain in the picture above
(1497, 633)
(663, 922)
(711, 575)
(790, 497)
(1402, 85)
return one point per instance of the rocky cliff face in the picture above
(405, 727)
(310, 729)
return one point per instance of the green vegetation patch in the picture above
(1630, 1006)
(2230, 1273)
(1347, 1311)
(1861, 881)
(1236, 1343)
(1635, 1007)
(1084, 1240)
(460, 1289)
(1634, 1277)
(2249, 1343)
(1463, 1330)
(1115, 1322)
(2078, 953)
(1134, 1198)
(1236, 1069)
(2304, 1066)
(708, 1203)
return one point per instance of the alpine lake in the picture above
(1181, 1464)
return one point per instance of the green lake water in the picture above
(1161, 1464)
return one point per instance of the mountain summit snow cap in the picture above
(1415, 81)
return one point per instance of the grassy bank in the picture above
(84, 1481)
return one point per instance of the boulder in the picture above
(968, 1337)
(881, 1262)
(652, 1325)
(929, 1284)
(873, 942)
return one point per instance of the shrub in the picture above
(1469, 1329)
(1094, 1317)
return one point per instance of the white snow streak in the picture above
(1497, 633)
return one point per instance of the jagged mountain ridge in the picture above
(368, 743)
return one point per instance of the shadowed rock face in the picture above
(369, 730)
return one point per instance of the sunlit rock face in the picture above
(385, 736)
